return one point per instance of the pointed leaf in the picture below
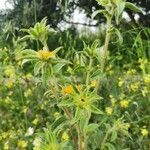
(132, 7)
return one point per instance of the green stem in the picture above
(35, 13)
(105, 48)
(104, 140)
(88, 72)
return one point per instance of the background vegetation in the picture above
(50, 100)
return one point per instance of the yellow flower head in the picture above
(120, 83)
(93, 83)
(68, 89)
(65, 136)
(45, 54)
(22, 144)
(144, 132)
(9, 71)
(108, 110)
(124, 103)
(6, 146)
(147, 79)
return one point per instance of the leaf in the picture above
(117, 32)
(113, 136)
(95, 13)
(95, 110)
(58, 124)
(78, 115)
(132, 7)
(91, 127)
(119, 10)
(110, 146)
(66, 103)
(25, 61)
(38, 67)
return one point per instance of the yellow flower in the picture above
(22, 144)
(9, 71)
(4, 135)
(45, 54)
(120, 83)
(124, 103)
(65, 136)
(134, 86)
(144, 132)
(28, 93)
(56, 114)
(6, 146)
(93, 83)
(147, 79)
(10, 84)
(35, 121)
(37, 144)
(68, 89)
(108, 110)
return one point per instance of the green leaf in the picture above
(113, 136)
(95, 110)
(66, 103)
(120, 5)
(59, 124)
(91, 127)
(110, 146)
(38, 67)
(117, 32)
(78, 115)
(95, 13)
(132, 7)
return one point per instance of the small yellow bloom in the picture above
(147, 79)
(9, 71)
(35, 121)
(22, 144)
(124, 103)
(108, 110)
(134, 86)
(144, 132)
(65, 136)
(68, 89)
(6, 146)
(120, 83)
(28, 93)
(45, 54)
(56, 114)
(93, 83)
(10, 84)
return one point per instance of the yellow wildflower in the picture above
(9, 71)
(144, 132)
(120, 83)
(68, 89)
(93, 83)
(65, 136)
(147, 79)
(6, 146)
(45, 54)
(22, 144)
(108, 110)
(10, 84)
(134, 86)
(28, 93)
(37, 143)
(56, 114)
(35, 121)
(124, 103)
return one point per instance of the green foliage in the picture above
(49, 99)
